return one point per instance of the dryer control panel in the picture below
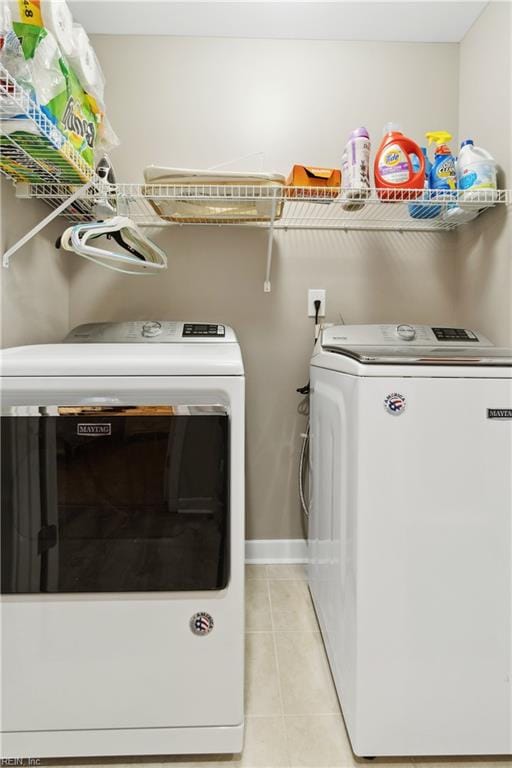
(150, 332)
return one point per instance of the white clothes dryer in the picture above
(123, 542)
(410, 535)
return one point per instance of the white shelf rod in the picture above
(42, 224)
(266, 285)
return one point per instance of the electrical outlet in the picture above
(315, 294)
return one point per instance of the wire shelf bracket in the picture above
(42, 224)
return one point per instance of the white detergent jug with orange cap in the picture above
(397, 177)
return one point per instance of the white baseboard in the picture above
(259, 551)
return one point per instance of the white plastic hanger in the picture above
(147, 258)
(129, 251)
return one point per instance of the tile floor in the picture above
(292, 713)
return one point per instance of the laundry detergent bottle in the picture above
(443, 174)
(424, 210)
(476, 174)
(397, 177)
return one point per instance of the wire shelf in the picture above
(274, 207)
(32, 148)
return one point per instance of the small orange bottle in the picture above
(393, 169)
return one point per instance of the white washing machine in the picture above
(123, 542)
(410, 535)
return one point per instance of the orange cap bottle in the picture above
(393, 169)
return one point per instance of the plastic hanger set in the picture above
(127, 249)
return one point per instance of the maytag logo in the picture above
(499, 413)
(94, 429)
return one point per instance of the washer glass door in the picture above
(114, 499)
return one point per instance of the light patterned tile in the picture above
(292, 609)
(293, 571)
(463, 762)
(256, 571)
(261, 680)
(306, 683)
(318, 741)
(264, 747)
(257, 606)
(202, 761)
(383, 762)
(265, 744)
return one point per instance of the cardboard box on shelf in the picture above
(301, 176)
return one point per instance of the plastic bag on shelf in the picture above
(107, 137)
(76, 116)
(12, 58)
(87, 68)
(54, 15)
(85, 65)
(52, 83)
(5, 20)
(43, 54)
(32, 57)
(32, 150)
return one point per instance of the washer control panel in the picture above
(402, 336)
(454, 334)
(203, 329)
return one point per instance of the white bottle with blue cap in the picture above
(476, 175)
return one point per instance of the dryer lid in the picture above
(106, 349)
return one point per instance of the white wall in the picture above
(199, 102)
(484, 265)
(35, 288)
